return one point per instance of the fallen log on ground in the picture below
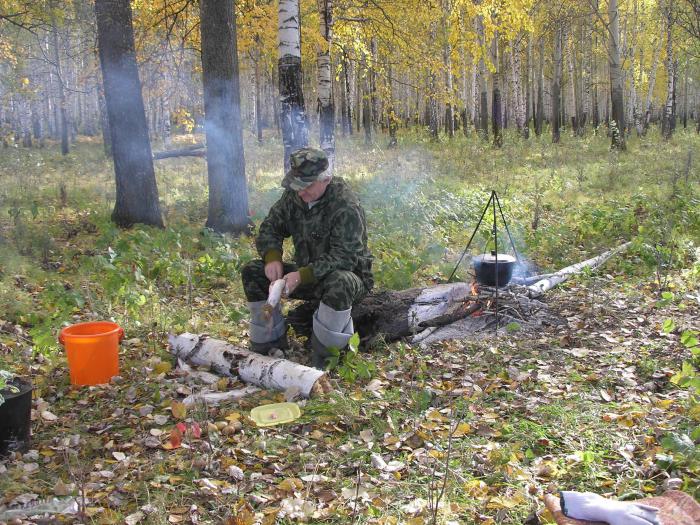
(267, 372)
(196, 150)
(423, 313)
(562, 275)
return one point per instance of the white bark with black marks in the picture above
(267, 372)
(295, 132)
(326, 106)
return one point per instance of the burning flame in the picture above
(474, 288)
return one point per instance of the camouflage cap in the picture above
(306, 166)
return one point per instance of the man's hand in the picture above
(293, 281)
(273, 271)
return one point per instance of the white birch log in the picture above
(259, 370)
(562, 275)
(274, 296)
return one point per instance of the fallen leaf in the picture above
(415, 507)
(119, 456)
(63, 489)
(179, 410)
(133, 519)
(48, 416)
(175, 440)
(290, 484)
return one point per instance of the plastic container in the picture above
(93, 351)
(275, 414)
(15, 415)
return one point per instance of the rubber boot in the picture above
(332, 328)
(319, 354)
(266, 334)
(264, 348)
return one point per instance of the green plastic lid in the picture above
(275, 414)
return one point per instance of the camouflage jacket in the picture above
(332, 235)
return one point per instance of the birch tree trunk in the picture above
(617, 126)
(556, 86)
(326, 106)
(539, 117)
(60, 86)
(587, 70)
(595, 103)
(496, 109)
(293, 119)
(483, 102)
(447, 64)
(666, 124)
(648, 105)
(529, 99)
(520, 107)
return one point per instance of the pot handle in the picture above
(61, 340)
(121, 334)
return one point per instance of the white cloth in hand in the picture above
(593, 507)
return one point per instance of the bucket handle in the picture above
(62, 341)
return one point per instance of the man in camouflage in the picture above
(333, 264)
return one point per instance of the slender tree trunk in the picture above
(685, 98)
(137, 193)
(326, 105)
(648, 106)
(556, 86)
(539, 118)
(617, 127)
(258, 102)
(374, 100)
(391, 114)
(367, 113)
(520, 105)
(483, 102)
(63, 122)
(447, 64)
(529, 99)
(666, 122)
(345, 115)
(293, 119)
(496, 108)
(228, 190)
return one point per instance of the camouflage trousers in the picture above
(339, 289)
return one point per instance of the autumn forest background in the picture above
(144, 141)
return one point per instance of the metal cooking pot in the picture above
(487, 268)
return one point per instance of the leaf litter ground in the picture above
(583, 407)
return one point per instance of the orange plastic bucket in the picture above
(93, 351)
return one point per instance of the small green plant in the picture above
(5, 378)
(353, 366)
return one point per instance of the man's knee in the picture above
(341, 289)
(252, 269)
(254, 281)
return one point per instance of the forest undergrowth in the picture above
(465, 431)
